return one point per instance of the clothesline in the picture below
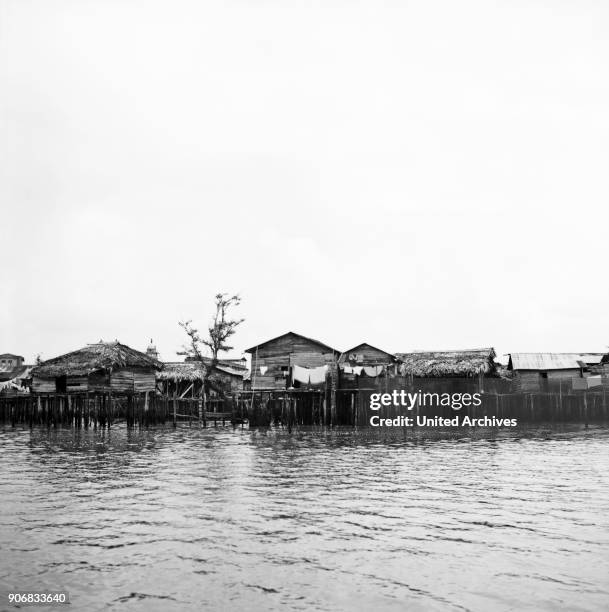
(370, 371)
(309, 376)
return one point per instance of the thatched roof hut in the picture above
(102, 366)
(182, 371)
(187, 376)
(437, 364)
(106, 356)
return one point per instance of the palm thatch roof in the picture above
(182, 371)
(436, 364)
(178, 371)
(106, 356)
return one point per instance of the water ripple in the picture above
(193, 519)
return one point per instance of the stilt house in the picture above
(450, 371)
(103, 367)
(365, 366)
(544, 372)
(276, 363)
(185, 378)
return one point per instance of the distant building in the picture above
(10, 362)
(550, 371)
(14, 374)
(151, 351)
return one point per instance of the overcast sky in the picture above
(418, 175)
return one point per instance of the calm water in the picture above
(254, 520)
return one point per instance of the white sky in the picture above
(411, 174)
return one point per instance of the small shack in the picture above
(104, 367)
(10, 362)
(185, 378)
(291, 361)
(545, 372)
(365, 364)
(460, 370)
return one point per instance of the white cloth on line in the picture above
(309, 376)
(300, 374)
(318, 375)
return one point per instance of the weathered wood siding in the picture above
(124, 380)
(278, 356)
(367, 355)
(144, 381)
(529, 381)
(76, 384)
(99, 381)
(121, 381)
(43, 385)
(127, 380)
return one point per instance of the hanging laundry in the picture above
(301, 375)
(263, 370)
(347, 369)
(373, 371)
(309, 376)
(318, 375)
(357, 370)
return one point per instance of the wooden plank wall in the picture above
(129, 380)
(43, 385)
(99, 382)
(369, 356)
(75, 384)
(144, 380)
(527, 381)
(283, 353)
(121, 381)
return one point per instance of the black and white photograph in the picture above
(304, 305)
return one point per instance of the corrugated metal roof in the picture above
(551, 361)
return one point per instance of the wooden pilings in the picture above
(82, 410)
(282, 408)
(578, 407)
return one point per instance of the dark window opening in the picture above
(61, 384)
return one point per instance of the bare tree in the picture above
(220, 330)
